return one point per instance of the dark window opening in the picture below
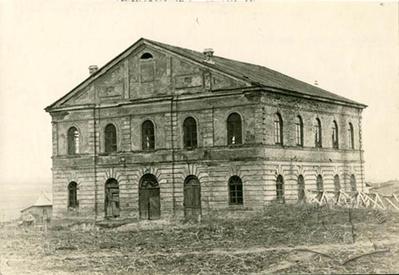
(299, 131)
(72, 195)
(280, 189)
(278, 129)
(337, 184)
(353, 183)
(110, 139)
(319, 183)
(235, 190)
(335, 135)
(350, 136)
(234, 129)
(146, 56)
(190, 133)
(73, 141)
(318, 134)
(148, 137)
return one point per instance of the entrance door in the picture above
(192, 198)
(111, 198)
(149, 198)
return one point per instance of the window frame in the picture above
(335, 135)
(234, 129)
(280, 194)
(190, 135)
(318, 134)
(112, 147)
(299, 131)
(73, 141)
(351, 137)
(236, 191)
(147, 131)
(73, 202)
(278, 129)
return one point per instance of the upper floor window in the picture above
(190, 133)
(299, 131)
(278, 129)
(72, 195)
(350, 136)
(335, 135)
(317, 133)
(235, 190)
(110, 139)
(73, 141)
(234, 129)
(280, 188)
(148, 137)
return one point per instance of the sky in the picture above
(350, 48)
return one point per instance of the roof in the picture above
(44, 199)
(255, 75)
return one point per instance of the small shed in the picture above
(39, 212)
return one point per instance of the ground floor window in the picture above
(235, 190)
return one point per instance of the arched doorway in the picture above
(111, 198)
(280, 189)
(149, 198)
(192, 198)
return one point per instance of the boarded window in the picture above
(335, 135)
(317, 133)
(235, 190)
(350, 136)
(148, 138)
(190, 133)
(278, 129)
(234, 129)
(280, 189)
(73, 141)
(110, 138)
(301, 188)
(72, 195)
(299, 131)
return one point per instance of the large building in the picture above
(164, 131)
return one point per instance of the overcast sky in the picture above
(47, 46)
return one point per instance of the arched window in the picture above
(335, 135)
(317, 132)
(147, 135)
(280, 188)
(146, 56)
(73, 141)
(337, 184)
(299, 131)
(278, 129)
(235, 190)
(350, 136)
(72, 195)
(234, 129)
(353, 183)
(301, 188)
(319, 183)
(110, 138)
(190, 133)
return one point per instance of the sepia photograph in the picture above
(199, 137)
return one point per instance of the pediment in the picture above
(146, 71)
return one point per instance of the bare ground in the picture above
(282, 239)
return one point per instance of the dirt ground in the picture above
(282, 239)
